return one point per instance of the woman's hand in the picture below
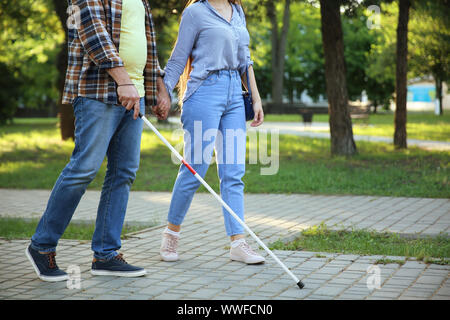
(259, 114)
(161, 110)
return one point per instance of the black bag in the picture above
(248, 102)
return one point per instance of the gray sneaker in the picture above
(244, 253)
(169, 245)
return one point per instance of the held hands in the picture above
(161, 110)
(259, 114)
(129, 98)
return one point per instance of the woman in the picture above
(208, 60)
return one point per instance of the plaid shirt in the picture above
(93, 42)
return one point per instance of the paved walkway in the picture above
(205, 271)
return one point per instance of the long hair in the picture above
(182, 82)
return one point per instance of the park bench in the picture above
(305, 111)
(359, 111)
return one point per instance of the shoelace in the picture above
(51, 260)
(246, 247)
(171, 244)
(120, 258)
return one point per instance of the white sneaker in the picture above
(244, 253)
(169, 245)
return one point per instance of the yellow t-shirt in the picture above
(133, 42)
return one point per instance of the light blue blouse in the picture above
(212, 41)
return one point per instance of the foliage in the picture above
(380, 65)
(9, 94)
(358, 42)
(430, 40)
(30, 36)
(305, 61)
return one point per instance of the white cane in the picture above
(199, 178)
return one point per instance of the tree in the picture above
(66, 116)
(9, 94)
(358, 42)
(341, 131)
(380, 67)
(304, 53)
(29, 38)
(430, 43)
(400, 141)
(279, 40)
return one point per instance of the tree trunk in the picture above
(279, 41)
(341, 131)
(400, 141)
(66, 117)
(439, 94)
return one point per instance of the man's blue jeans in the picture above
(100, 130)
(213, 117)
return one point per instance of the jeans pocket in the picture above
(76, 104)
(76, 100)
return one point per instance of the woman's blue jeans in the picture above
(213, 118)
(100, 130)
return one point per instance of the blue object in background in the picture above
(421, 93)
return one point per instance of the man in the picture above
(113, 72)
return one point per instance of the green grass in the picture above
(18, 228)
(389, 261)
(366, 242)
(32, 155)
(420, 125)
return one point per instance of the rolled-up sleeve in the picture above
(94, 36)
(245, 59)
(187, 34)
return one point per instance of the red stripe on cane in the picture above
(189, 167)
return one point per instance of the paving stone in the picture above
(204, 293)
(205, 271)
(254, 296)
(109, 297)
(417, 293)
(430, 279)
(348, 296)
(385, 294)
(320, 276)
(318, 297)
(329, 290)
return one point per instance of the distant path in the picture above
(297, 128)
(311, 131)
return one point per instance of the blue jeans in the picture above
(213, 118)
(100, 129)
